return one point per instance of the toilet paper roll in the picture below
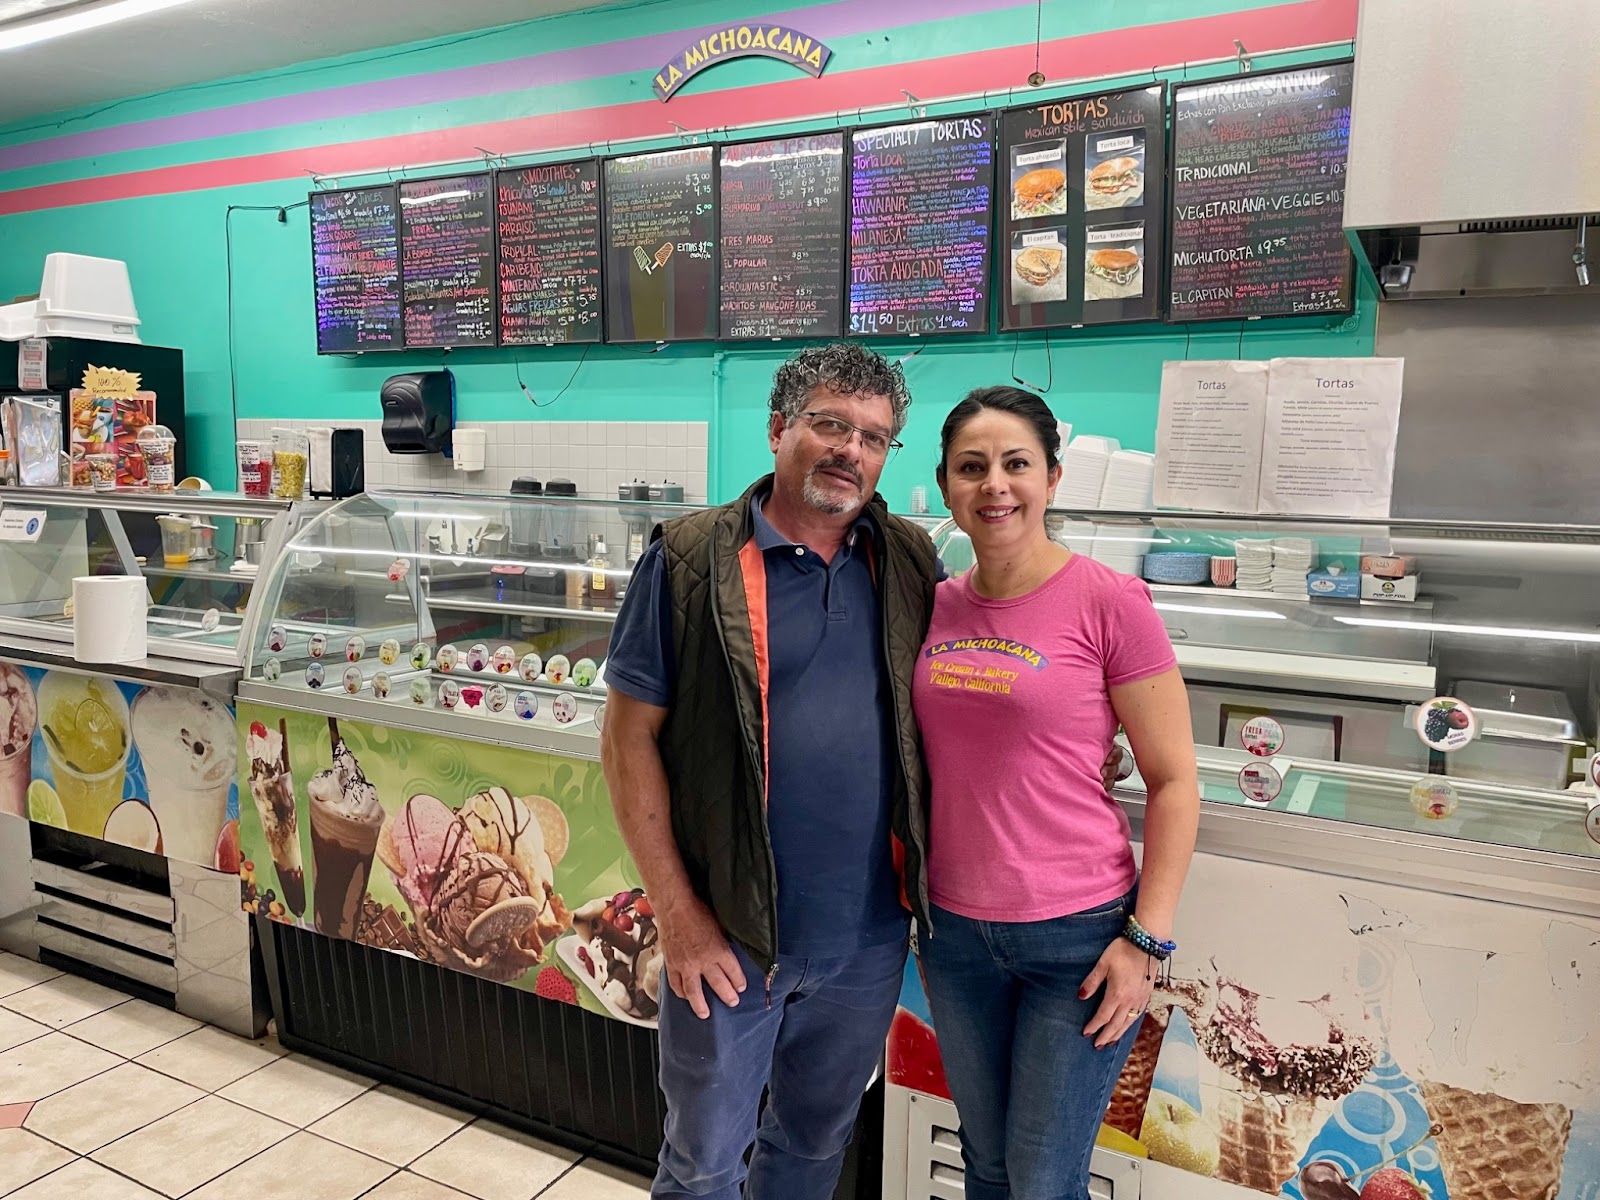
(108, 618)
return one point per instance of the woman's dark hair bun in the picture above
(1006, 399)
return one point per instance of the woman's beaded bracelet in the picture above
(1147, 941)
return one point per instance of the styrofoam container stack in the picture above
(80, 296)
(1130, 481)
(1083, 471)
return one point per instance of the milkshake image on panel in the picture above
(272, 787)
(346, 819)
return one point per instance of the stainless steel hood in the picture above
(1474, 162)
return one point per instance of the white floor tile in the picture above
(491, 1162)
(391, 1124)
(302, 1167)
(84, 1180)
(133, 1028)
(47, 1065)
(192, 1146)
(210, 1058)
(98, 1111)
(17, 973)
(16, 1029)
(62, 1001)
(403, 1185)
(298, 1090)
(599, 1181)
(26, 1156)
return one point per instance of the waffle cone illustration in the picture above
(1264, 1136)
(1496, 1149)
(1125, 1113)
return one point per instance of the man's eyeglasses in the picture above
(834, 433)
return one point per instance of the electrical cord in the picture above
(532, 399)
(283, 211)
(1050, 366)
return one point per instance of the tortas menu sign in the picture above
(549, 225)
(921, 204)
(355, 257)
(782, 226)
(1083, 209)
(447, 260)
(660, 239)
(1258, 177)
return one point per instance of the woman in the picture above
(1044, 940)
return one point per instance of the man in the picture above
(763, 760)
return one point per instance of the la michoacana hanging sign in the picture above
(742, 41)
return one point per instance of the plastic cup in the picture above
(103, 472)
(160, 462)
(255, 469)
(177, 540)
(290, 468)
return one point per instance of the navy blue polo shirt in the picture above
(829, 725)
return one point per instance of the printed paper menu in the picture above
(447, 260)
(355, 265)
(548, 220)
(660, 240)
(1208, 435)
(1331, 429)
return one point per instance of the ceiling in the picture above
(214, 39)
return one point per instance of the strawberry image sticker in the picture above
(1262, 736)
(1434, 799)
(1444, 723)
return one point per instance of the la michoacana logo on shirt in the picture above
(969, 678)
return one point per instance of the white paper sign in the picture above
(1208, 435)
(1330, 436)
(21, 524)
(33, 357)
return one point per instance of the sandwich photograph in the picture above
(1036, 269)
(1113, 263)
(1113, 171)
(1039, 180)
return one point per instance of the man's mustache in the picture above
(839, 464)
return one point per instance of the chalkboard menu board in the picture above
(355, 264)
(548, 219)
(782, 226)
(921, 210)
(1083, 209)
(447, 260)
(661, 246)
(1258, 195)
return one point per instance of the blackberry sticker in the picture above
(277, 639)
(1446, 724)
(1260, 783)
(1262, 736)
(478, 658)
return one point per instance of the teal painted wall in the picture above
(178, 253)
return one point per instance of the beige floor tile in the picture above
(302, 1167)
(403, 1185)
(133, 1028)
(390, 1124)
(192, 1146)
(295, 1089)
(491, 1162)
(599, 1181)
(210, 1058)
(62, 1001)
(26, 1156)
(16, 1029)
(48, 1064)
(17, 973)
(84, 1180)
(98, 1111)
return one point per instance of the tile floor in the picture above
(107, 1098)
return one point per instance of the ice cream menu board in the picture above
(782, 224)
(921, 198)
(1083, 209)
(660, 242)
(355, 253)
(548, 220)
(447, 260)
(1258, 195)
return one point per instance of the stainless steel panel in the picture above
(90, 885)
(1512, 711)
(156, 973)
(217, 504)
(150, 938)
(1445, 263)
(213, 948)
(21, 645)
(1370, 732)
(16, 885)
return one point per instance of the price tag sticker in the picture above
(21, 524)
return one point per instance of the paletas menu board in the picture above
(355, 266)
(548, 221)
(782, 225)
(660, 245)
(447, 260)
(1258, 195)
(921, 206)
(1083, 209)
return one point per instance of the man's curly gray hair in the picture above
(845, 368)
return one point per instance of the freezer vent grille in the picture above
(1522, 225)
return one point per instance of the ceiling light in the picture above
(78, 20)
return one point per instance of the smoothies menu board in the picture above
(660, 242)
(921, 199)
(548, 220)
(782, 225)
(355, 249)
(1258, 168)
(447, 260)
(1083, 210)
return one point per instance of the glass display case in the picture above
(1426, 677)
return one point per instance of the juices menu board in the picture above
(782, 226)
(1258, 195)
(447, 260)
(660, 246)
(1083, 210)
(355, 262)
(548, 220)
(921, 197)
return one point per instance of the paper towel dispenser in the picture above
(419, 412)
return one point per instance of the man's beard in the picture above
(828, 502)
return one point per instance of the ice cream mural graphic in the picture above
(148, 767)
(1328, 1040)
(495, 861)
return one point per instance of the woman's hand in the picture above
(1129, 976)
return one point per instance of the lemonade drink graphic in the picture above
(85, 723)
(190, 752)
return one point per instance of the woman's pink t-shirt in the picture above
(1013, 700)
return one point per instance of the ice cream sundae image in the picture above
(480, 881)
(1324, 1180)
(19, 714)
(346, 819)
(618, 952)
(272, 786)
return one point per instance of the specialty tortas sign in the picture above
(742, 41)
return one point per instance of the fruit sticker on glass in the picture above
(1113, 262)
(355, 649)
(1445, 723)
(495, 699)
(565, 707)
(600, 719)
(449, 693)
(558, 668)
(272, 670)
(446, 661)
(471, 696)
(421, 656)
(380, 685)
(399, 569)
(1262, 736)
(1591, 824)
(1594, 770)
(420, 691)
(318, 645)
(1434, 799)
(1260, 783)
(505, 660)
(314, 675)
(277, 639)
(389, 652)
(209, 620)
(530, 668)
(352, 680)
(584, 671)
(526, 705)
(478, 658)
